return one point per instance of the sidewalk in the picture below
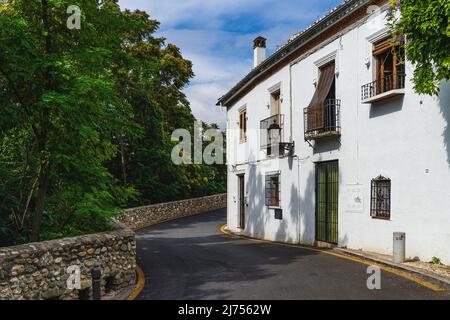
(440, 273)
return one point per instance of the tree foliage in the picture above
(425, 24)
(85, 118)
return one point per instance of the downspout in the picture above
(299, 203)
(290, 104)
(291, 140)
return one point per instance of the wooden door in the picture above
(241, 190)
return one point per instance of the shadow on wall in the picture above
(291, 211)
(385, 107)
(326, 145)
(444, 103)
(256, 218)
(308, 211)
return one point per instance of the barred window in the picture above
(273, 190)
(380, 204)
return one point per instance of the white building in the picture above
(327, 142)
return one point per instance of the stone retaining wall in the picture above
(142, 217)
(40, 270)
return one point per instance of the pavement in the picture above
(191, 259)
(438, 274)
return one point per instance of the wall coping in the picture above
(119, 230)
(175, 202)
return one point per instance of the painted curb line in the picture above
(391, 269)
(140, 283)
(420, 273)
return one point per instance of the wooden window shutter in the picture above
(243, 125)
(317, 104)
(382, 47)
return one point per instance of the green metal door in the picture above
(327, 194)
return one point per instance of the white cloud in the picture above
(216, 35)
(203, 99)
(207, 12)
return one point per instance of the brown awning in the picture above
(316, 107)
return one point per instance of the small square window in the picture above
(380, 203)
(273, 190)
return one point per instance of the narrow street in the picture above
(191, 259)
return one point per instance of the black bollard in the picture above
(96, 274)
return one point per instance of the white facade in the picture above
(405, 138)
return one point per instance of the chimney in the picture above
(259, 51)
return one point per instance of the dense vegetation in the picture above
(425, 24)
(86, 117)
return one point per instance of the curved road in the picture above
(191, 259)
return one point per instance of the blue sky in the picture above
(217, 36)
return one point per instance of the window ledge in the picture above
(321, 135)
(385, 95)
(381, 218)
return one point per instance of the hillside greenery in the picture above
(86, 117)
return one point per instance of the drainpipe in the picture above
(290, 104)
(291, 140)
(299, 203)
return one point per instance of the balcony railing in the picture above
(382, 85)
(326, 122)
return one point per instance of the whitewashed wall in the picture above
(405, 139)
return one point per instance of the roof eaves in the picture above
(331, 18)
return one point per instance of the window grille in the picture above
(273, 190)
(380, 204)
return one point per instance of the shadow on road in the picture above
(190, 259)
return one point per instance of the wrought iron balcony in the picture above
(272, 136)
(383, 88)
(323, 122)
(272, 130)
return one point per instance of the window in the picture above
(380, 202)
(275, 103)
(273, 190)
(243, 125)
(390, 66)
(321, 117)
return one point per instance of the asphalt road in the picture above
(191, 259)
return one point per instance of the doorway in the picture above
(241, 192)
(327, 195)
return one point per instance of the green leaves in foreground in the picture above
(86, 117)
(425, 24)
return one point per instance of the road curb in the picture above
(417, 272)
(140, 284)
(406, 274)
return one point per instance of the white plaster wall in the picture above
(405, 139)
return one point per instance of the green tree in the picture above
(152, 82)
(59, 108)
(425, 25)
(86, 118)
